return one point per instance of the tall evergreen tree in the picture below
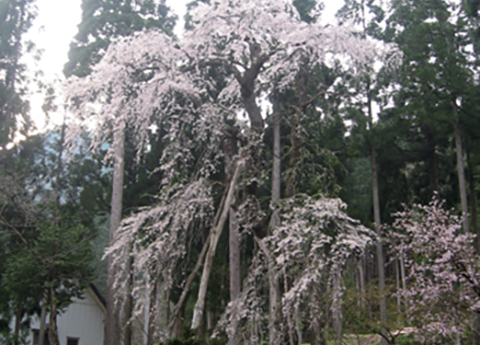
(103, 20)
(360, 12)
(16, 17)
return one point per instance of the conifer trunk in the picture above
(379, 248)
(152, 311)
(474, 217)
(397, 284)
(378, 224)
(230, 150)
(290, 181)
(295, 138)
(111, 325)
(473, 198)
(460, 169)
(432, 162)
(274, 288)
(276, 170)
(461, 177)
(463, 198)
(361, 282)
(127, 334)
(234, 254)
(146, 310)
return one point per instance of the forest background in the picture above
(298, 139)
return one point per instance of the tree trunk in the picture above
(361, 282)
(18, 322)
(290, 181)
(337, 311)
(378, 224)
(275, 303)
(290, 322)
(152, 311)
(43, 322)
(379, 248)
(397, 285)
(463, 198)
(217, 231)
(59, 163)
(111, 325)
(146, 310)
(274, 295)
(247, 87)
(403, 278)
(295, 138)
(127, 334)
(246, 81)
(234, 254)
(175, 320)
(230, 151)
(234, 265)
(276, 170)
(175, 323)
(52, 329)
(473, 198)
(460, 169)
(432, 161)
(474, 216)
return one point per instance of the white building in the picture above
(82, 323)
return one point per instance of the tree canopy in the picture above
(302, 139)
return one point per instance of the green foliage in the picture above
(45, 241)
(103, 20)
(309, 10)
(15, 19)
(361, 308)
(357, 189)
(59, 256)
(406, 340)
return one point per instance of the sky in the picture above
(54, 29)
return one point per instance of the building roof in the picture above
(97, 296)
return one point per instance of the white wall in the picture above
(83, 319)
